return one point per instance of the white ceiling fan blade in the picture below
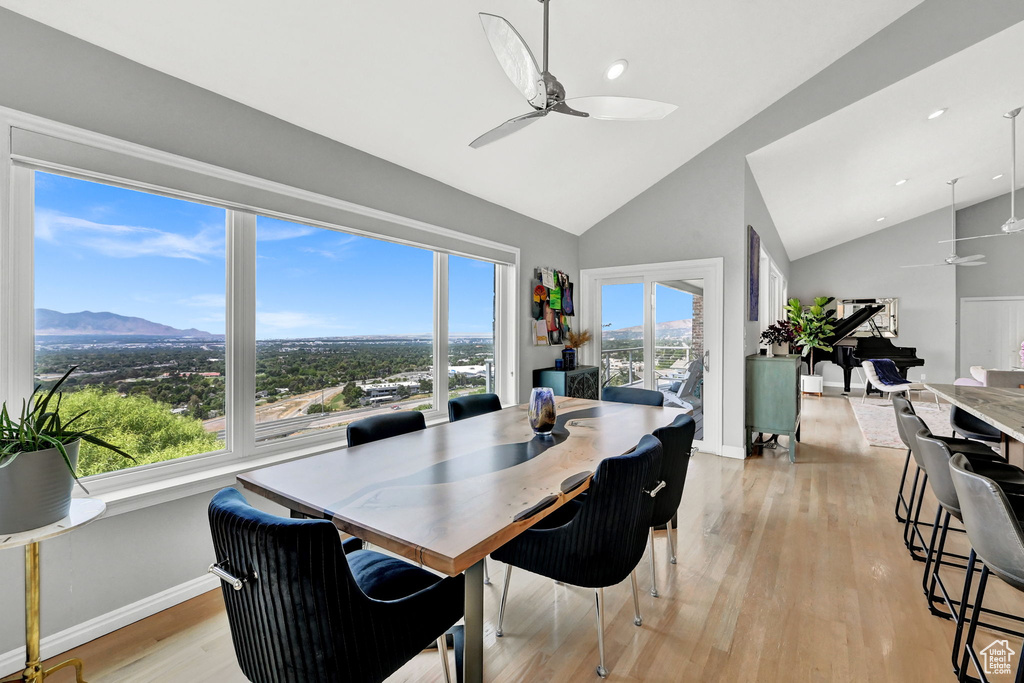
(622, 108)
(515, 58)
(971, 263)
(926, 265)
(976, 237)
(507, 128)
(958, 260)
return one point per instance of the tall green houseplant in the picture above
(812, 325)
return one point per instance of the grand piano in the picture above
(848, 352)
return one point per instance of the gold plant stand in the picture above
(83, 511)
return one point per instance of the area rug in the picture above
(877, 420)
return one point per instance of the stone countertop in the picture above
(1001, 408)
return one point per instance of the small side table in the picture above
(83, 511)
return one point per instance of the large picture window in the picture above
(130, 288)
(213, 317)
(344, 328)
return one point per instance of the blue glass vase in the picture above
(542, 410)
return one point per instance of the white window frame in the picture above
(138, 487)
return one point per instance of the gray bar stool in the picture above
(997, 539)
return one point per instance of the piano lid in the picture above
(844, 327)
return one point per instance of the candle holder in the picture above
(542, 410)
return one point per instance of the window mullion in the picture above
(440, 332)
(241, 332)
(17, 313)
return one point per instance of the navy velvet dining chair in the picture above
(300, 609)
(384, 426)
(465, 407)
(677, 447)
(644, 397)
(603, 539)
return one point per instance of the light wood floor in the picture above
(785, 573)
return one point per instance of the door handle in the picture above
(707, 360)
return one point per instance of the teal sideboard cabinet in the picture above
(773, 398)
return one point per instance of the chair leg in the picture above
(637, 619)
(654, 573)
(442, 647)
(487, 574)
(930, 552)
(504, 596)
(903, 482)
(599, 597)
(969, 652)
(964, 599)
(671, 543)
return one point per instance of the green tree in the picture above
(140, 426)
(352, 394)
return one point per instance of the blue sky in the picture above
(622, 305)
(103, 248)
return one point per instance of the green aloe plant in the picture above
(39, 428)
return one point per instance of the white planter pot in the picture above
(35, 489)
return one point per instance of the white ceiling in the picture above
(828, 183)
(414, 82)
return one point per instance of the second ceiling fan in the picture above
(954, 259)
(543, 91)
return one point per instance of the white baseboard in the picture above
(14, 661)
(736, 452)
(853, 385)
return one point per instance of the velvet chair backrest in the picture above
(676, 442)
(465, 407)
(385, 426)
(608, 536)
(992, 528)
(301, 616)
(644, 397)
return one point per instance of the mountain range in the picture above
(55, 323)
(672, 329)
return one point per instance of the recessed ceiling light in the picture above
(936, 114)
(616, 69)
(997, 177)
(900, 181)
(879, 220)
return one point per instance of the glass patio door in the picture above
(660, 329)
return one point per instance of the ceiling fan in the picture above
(1013, 225)
(953, 259)
(543, 91)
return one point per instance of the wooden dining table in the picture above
(447, 496)
(1003, 408)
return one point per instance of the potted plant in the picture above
(811, 325)
(778, 336)
(39, 459)
(574, 340)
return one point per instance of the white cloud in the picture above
(273, 232)
(128, 241)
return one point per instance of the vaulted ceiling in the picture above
(414, 82)
(832, 181)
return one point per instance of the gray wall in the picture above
(870, 267)
(698, 210)
(125, 558)
(1004, 274)
(755, 213)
